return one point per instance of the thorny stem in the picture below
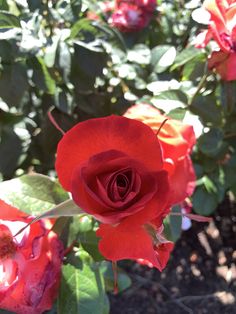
(162, 124)
(198, 218)
(199, 87)
(57, 211)
(114, 268)
(54, 122)
(230, 135)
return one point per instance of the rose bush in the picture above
(115, 170)
(30, 263)
(222, 28)
(177, 140)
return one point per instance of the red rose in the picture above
(177, 140)
(132, 15)
(129, 18)
(113, 167)
(222, 28)
(147, 5)
(30, 263)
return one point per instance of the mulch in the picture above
(200, 277)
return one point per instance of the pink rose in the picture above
(221, 29)
(132, 15)
(30, 263)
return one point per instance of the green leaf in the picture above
(210, 143)
(140, 54)
(169, 100)
(33, 194)
(10, 151)
(34, 5)
(178, 114)
(162, 57)
(8, 20)
(82, 291)
(204, 203)
(195, 68)
(208, 184)
(4, 5)
(228, 96)
(87, 63)
(65, 209)
(207, 109)
(41, 76)
(13, 83)
(91, 59)
(233, 190)
(230, 170)
(50, 52)
(220, 181)
(64, 59)
(173, 94)
(173, 225)
(123, 280)
(76, 7)
(9, 118)
(185, 56)
(89, 242)
(81, 25)
(81, 224)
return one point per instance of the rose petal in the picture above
(225, 64)
(94, 136)
(131, 243)
(182, 181)
(94, 198)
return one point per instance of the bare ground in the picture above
(200, 277)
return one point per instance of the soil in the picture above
(200, 277)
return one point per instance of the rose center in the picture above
(7, 246)
(120, 185)
(228, 41)
(133, 16)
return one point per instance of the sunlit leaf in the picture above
(82, 291)
(8, 20)
(33, 194)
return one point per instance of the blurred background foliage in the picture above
(53, 58)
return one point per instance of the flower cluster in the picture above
(30, 263)
(130, 15)
(222, 29)
(120, 171)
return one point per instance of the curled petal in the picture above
(224, 64)
(183, 175)
(132, 243)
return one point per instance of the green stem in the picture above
(199, 87)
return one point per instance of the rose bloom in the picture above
(30, 263)
(222, 28)
(177, 140)
(147, 5)
(106, 7)
(114, 168)
(132, 15)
